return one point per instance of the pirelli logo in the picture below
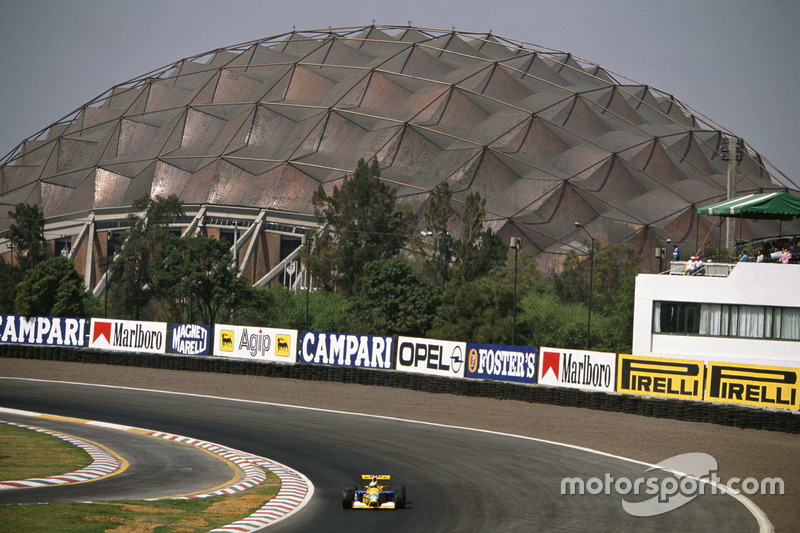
(654, 376)
(762, 386)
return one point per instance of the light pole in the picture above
(108, 278)
(515, 244)
(307, 271)
(591, 279)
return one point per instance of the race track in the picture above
(457, 479)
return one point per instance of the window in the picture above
(676, 317)
(63, 246)
(227, 236)
(289, 245)
(716, 320)
(787, 323)
(114, 241)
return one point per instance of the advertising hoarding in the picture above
(577, 369)
(501, 363)
(434, 357)
(128, 335)
(249, 342)
(344, 349)
(660, 376)
(761, 386)
(43, 330)
(189, 339)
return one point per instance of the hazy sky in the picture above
(734, 61)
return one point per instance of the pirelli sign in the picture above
(666, 377)
(762, 386)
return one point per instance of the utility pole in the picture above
(732, 151)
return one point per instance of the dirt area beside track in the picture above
(740, 453)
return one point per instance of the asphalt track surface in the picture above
(457, 479)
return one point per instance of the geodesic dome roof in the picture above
(547, 138)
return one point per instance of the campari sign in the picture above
(577, 369)
(342, 349)
(44, 330)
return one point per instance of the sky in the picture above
(736, 62)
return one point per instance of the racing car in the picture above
(374, 493)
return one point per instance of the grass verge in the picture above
(26, 454)
(36, 450)
(175, 516)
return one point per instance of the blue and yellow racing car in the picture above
(374, 493)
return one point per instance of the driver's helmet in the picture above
(373, 483)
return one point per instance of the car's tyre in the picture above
(400, 497)
(348, 496)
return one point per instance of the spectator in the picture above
(786, 256)
(760, 257)
(744, 257)
(676, 254)
(697, 265)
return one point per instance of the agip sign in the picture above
(246, 342)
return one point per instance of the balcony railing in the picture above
(717, 270)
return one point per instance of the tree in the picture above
(10, 276)
(131, 283)
(193, 278)
(613, 283)
(27, 235)
(481, 310)
(479, 249)
(439, 260)
(393, 300)
(475, 311)
(54, 288)
(549, 321)
(284, 308)
(365, 224)
(613, 265)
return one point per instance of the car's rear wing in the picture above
(382, 479)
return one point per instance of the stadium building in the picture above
(244, 135)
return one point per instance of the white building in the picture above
(751, 315)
